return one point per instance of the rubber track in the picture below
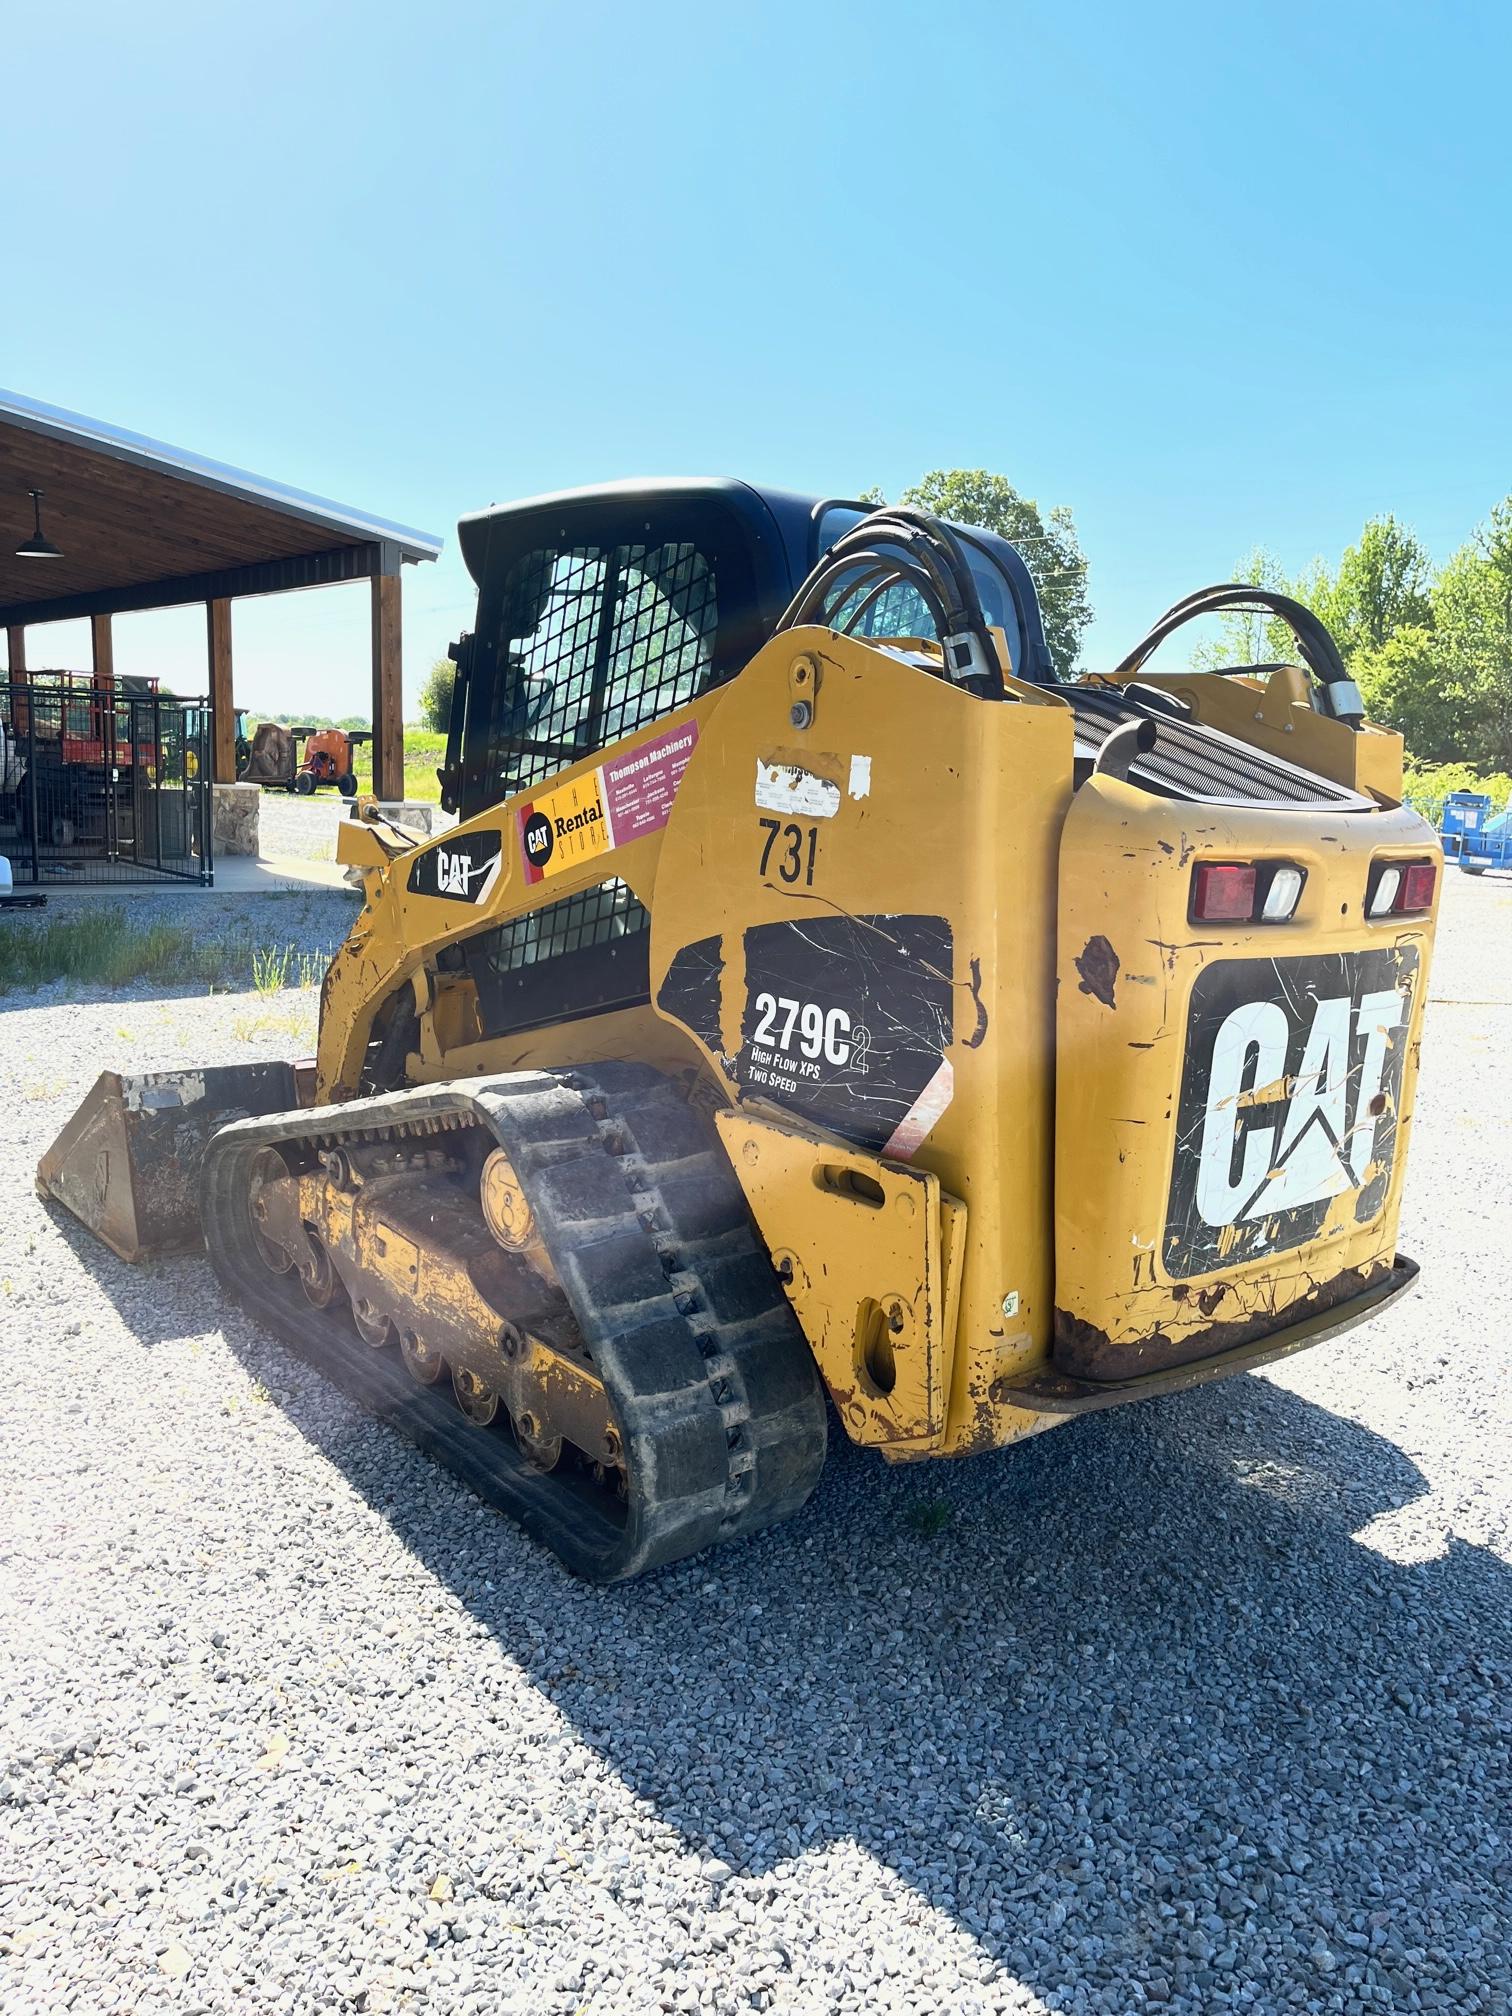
(712, 1382)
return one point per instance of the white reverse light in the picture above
(1281, 895)
(1385, 892)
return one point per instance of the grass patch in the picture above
(928, 1518)
(423, 753)
(290, 1024)
(275, 967)
(103, 947)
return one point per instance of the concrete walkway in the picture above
(235, 874)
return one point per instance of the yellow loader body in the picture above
(991, 1047)
(1034, 940)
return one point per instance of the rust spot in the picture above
(1083, 1351)
(1165, 846)
(1098, 966)
(1377, 1106)
(1209, 1299)
(1181, 1291)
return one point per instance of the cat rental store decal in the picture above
(624, 799)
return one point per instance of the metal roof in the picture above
(347, 524)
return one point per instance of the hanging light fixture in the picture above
(38, 547)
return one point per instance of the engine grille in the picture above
(1195, 762)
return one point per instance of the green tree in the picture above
(436, 695)
(1472, 615)
(1407, 685)
(1047, 540)
(1383, 584)
(1245, 636)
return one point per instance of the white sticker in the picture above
(860, 777)
(786, 787)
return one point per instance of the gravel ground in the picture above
(1196, 1705)
(304, 829)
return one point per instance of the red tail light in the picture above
(1223, 892)
(1418, 881)
(1397, 887)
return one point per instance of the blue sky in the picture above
(1211, 276)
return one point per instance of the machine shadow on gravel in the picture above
(1057, 1691)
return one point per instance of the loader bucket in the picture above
(127, 1165)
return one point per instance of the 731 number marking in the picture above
(797, 841)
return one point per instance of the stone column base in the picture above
(235, 815)
(411, 812)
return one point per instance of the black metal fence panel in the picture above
(106, 781)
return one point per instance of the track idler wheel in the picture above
(269, 1168)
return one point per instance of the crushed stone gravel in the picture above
(291, 828)
(1203, 1704)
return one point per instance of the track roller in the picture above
(572, 1247)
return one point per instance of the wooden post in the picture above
(218, 631)
(103, 649)
(15, 649)
(388, 693)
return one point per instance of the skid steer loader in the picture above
(817, 1002)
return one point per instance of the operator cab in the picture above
(602, 609)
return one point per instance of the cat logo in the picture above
(1289, 1100)
(455, 873)
(1319, 1148)
(465, 871)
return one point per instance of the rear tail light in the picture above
(1223, 892)
(1383, 898)
(1417, 885)
(1281, 894)
(1245, 892)
(1398, 888)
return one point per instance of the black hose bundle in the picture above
(1318, 650)
(894, 546)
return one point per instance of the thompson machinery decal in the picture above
(1289, 1100)
(622, 800)
(464, 869)
(848, 1020)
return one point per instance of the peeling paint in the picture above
(1097, 964)
(974, 1039)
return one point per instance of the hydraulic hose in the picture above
(1320, 654)
(923, 552)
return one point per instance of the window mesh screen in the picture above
(525, 975)
(596, 642)
(592, 917)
